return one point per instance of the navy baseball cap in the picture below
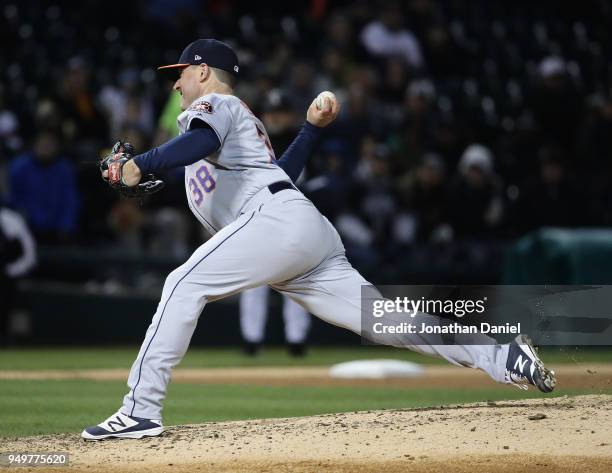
(208, 51)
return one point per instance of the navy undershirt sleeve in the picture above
(201, 141)
(197, 143)
(294, 158)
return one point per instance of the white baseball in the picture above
(320, 100)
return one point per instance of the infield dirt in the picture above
(577, 375)
(568, 434)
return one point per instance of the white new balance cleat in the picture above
(523, 367)
(123, 426)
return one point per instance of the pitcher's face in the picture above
(188, 85)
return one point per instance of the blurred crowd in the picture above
(464, 123)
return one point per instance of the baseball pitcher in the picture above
(265, 232)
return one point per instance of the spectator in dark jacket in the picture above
(475, 208)
(550, 198)
(423, 195)
(556, 103)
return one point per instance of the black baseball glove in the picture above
(114, 162)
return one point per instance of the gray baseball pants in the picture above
(281, 240)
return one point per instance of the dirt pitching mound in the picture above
(568, 434)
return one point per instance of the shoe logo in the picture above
(520, 363)
(118, 423)
(516, 379)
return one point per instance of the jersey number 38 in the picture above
(203, 184)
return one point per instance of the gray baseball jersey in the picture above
(262, 235)
(219, 186)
